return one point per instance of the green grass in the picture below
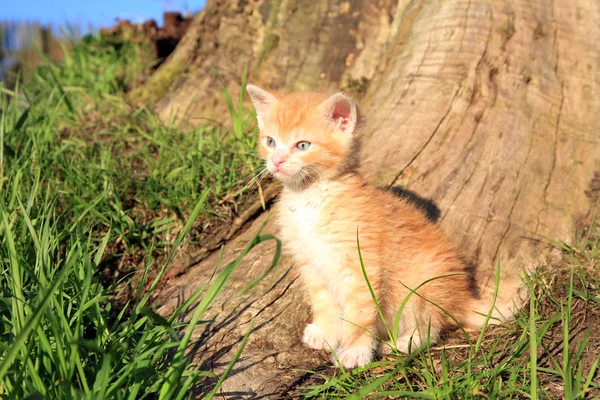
(83, 174)
(548, 351)
(121, 160)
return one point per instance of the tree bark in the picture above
(488, 107)
(325, 44)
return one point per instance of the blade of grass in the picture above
(533, 344)
(233, 361)
(31, 323)
(182, 234)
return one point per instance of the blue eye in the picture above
(270, 142)
(303, 145)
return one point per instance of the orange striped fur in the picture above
(324, 203)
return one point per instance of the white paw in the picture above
(354, 357)
(315, 338)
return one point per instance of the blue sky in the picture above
(95, 12)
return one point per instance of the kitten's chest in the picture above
(318, 233)
(306, 220)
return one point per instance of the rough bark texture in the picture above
(326, 44)
(488, 107)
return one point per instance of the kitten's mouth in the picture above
(282, 174)
(294, 178)
(292, 175)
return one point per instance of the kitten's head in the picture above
(306, 137)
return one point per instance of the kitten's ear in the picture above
(262, 100)
(340, 110)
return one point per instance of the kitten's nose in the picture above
(278, 158)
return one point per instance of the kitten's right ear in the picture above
(262, 100)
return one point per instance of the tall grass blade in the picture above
(533, 344)
(17, 345)
(182, 234)
(379, 311)
(233, 361)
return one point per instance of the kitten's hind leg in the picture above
(415, 333)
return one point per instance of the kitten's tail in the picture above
(503, 304)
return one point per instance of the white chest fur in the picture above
(303, 214)
(305, 208)
(308, 223)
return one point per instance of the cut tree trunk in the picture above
(491, 108)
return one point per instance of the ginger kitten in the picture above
(311, 143)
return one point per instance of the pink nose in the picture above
(278, 158)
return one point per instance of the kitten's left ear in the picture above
(340, 110)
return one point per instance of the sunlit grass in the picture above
(82, 171)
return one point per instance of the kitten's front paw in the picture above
(354, 357)
(315, 338)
